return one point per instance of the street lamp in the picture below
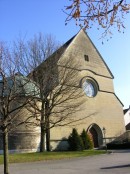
(104, 137)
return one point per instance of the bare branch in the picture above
(105, 13)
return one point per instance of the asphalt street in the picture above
(115, 163)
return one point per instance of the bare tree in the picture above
(15, 98)
(60, 94)
(105, 13)
(28, 55)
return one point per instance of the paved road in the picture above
(115, 163)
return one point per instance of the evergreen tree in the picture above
(87, 142)
(75, 141)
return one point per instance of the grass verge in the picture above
(32, 157)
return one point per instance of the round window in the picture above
(89, 88)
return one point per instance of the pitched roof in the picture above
(58, 53)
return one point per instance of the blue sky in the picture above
(27, 17)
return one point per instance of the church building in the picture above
(101, 109)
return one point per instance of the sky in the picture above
(25, 18)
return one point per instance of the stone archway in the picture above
(96, 135)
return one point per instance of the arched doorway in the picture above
(96, 135)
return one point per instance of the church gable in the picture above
(83, 51)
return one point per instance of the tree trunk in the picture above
(5, 149)
(42, 142)
(43, 132)
(48, 147)
(47, 110)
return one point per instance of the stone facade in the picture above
(102, 110)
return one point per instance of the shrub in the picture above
(75, 141)
(87, 142)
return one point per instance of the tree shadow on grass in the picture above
(114, 167)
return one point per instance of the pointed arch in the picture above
(96, 134)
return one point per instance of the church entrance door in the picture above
(96, 135)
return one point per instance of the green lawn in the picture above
(31, 157)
